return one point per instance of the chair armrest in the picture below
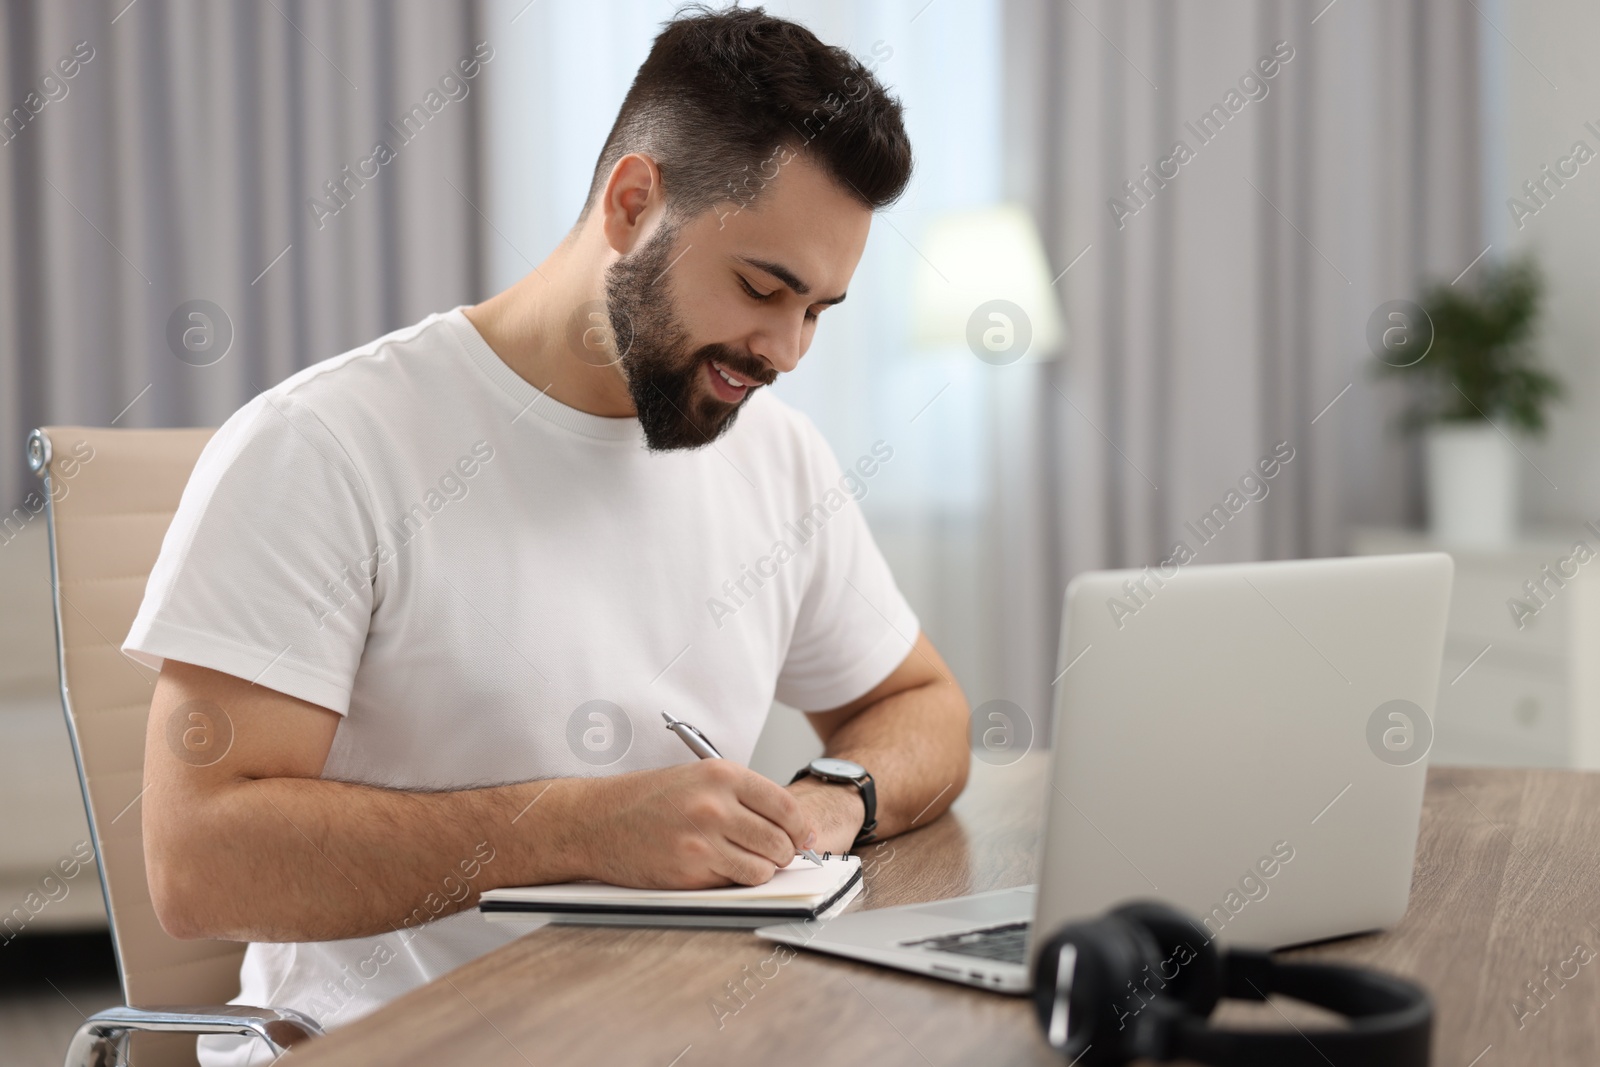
(101, 1041)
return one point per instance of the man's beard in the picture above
(663, 374)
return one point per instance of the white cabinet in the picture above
(1521, 679)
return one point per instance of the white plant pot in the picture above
(1472, 485)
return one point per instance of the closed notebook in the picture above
(800, 891)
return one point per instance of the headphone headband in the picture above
(1391, 1020)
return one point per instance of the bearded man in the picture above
(439, 589)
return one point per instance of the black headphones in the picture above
(1142, 981)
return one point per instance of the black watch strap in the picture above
(869, 799)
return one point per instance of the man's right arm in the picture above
(257, 846)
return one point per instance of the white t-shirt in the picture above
(492, 587)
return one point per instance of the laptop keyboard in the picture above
(1007, 943)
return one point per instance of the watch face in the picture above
(837, 768)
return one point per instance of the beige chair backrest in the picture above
(112, 495)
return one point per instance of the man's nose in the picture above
(780, 350)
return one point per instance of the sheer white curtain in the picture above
(1221, 310)
(552, 103)
(1221, 319)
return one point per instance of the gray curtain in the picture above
(1224, 308)
(158, 154)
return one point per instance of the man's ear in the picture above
(631, 196)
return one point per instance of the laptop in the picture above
(1247, 742)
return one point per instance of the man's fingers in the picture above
(775, 804)
(755, 833)
(737, 864)
(741, 826)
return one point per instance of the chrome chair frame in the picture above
(102, 1041)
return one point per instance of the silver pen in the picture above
(701, 746)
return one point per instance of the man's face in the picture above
(707, 312)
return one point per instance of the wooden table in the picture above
(1507, 884)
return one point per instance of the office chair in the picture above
(111, 495)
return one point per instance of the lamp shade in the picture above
(973, 265)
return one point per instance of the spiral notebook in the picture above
(800, 891)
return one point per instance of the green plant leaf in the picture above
(1483, 364)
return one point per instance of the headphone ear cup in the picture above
(1187, 960)
(1110, 953)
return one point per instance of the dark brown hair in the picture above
(726, 97)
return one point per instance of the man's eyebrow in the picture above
(788, 277)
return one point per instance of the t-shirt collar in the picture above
(529, 400)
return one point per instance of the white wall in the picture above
(1545, 62)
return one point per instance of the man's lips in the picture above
(731, 391)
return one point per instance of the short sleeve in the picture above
(854, 627)
(267, 570)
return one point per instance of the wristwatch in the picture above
(845, 772)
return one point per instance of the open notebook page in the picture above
(802, 883)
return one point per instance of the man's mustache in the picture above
(741, 363)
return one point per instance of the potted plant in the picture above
(1477, 385)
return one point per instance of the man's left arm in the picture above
(911, 734)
